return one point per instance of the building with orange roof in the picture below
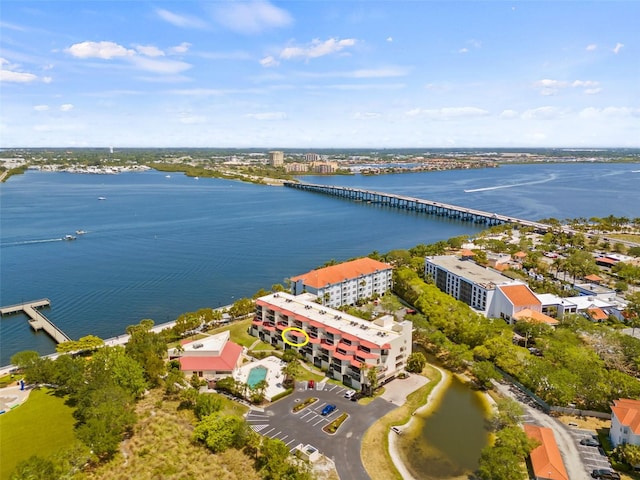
(593, 278)
(211, 357)
(508, 300)
(546, 460)
(538, 317)
(345, 283)
(625, 422)
(344, 345)
(597, 314)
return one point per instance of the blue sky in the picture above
(313, 73)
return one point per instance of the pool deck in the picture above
(274, 374)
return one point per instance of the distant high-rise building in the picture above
(276, 158)
(312, 157)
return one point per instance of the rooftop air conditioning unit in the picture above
(198, 345)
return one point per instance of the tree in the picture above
(88, 343)
(220, 432)
(242, 307)
(291, 371)
(416, 362)
(34, 468)
(509, 413)
(484, 372)
(148, 349)
(25, 359)
(632, 311)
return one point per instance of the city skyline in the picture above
(320, 74)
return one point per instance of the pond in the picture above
(445, 441)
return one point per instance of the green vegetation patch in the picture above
(238, 332)
(306, 403)
(335, 425)
(41, 426)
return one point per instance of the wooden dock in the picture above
(37, 320)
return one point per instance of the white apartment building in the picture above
(464, 280)
(625, 422)
(312, 157)
(344, 345)
(345, 283)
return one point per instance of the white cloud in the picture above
(66, 107)
(463, 50)
(189, 119)
(541, 113)
(593, 112)
(41, 108)
(182, 48)
(389, 39)
(185, 21)
(267, 116)
(552, 87)
(591, 48)
(385, 72)
(252, 17)
(366, 115)
(16, 77)
(104, 50)
(317, 48)
(269, 61)
(508, 114)
(592, 91)
(149, 50)
(617, 48)
(47, 79)
(584, 83)
(448, 112)
(160, 65)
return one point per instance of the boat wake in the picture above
(31, 242)
(498, 187)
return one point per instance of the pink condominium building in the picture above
(346, 346)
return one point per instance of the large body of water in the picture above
(158, 246)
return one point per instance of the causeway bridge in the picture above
(37, 320)
(417, 205)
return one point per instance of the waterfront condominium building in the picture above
(276, 158)
(345, 283)
(312, 157)
(465, 280)
(346, 346)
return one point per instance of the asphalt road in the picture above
(278, 421)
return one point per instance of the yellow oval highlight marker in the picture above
(302, 344)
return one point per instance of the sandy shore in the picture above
(393, 447)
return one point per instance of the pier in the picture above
(37, 320)
(417, 205)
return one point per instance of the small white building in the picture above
(625, 422)
(211, 357)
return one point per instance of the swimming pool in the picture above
(256, 375)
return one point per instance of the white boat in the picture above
(102, 198)
(80, 232)
(197, 178)
(168, 176)
(68, 237)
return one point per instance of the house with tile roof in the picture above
(546, 460)
(344, 345)
(210, 358)
(527, 315)
(508, 300)
(625, 422)
(345, 283)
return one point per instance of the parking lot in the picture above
(592, 457)
(343, 447)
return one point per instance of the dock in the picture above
(37, 319)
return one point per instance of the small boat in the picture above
(68, 237)
(197, 178)
(168, 176)
(102, 198)
(80, 232)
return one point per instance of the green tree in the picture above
(484, 372)
(220, 432)
(632, 311)
(291, 371)
(148, 349)
(34, 468)
(416, 362)
(242, 307)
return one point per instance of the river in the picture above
(159, 245)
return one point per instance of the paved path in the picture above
(13, 396)
(564, 439)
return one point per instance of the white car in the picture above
(349, 394)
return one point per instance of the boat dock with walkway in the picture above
(37, 320)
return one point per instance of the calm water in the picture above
(157, 246)
(446, 442)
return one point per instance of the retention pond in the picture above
(445, 441)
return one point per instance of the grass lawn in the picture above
(375, 443)
(41, 426)
(238, 332)
(629, 237)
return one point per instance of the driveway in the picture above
(305, 426)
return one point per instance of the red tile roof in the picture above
(546, 459)
(528, 314)
(593, 278)
(226, 361)
(597, 314)
(339, 273)
(467, 253)
(627, 412)
(608, 261)
(519, 254)
(520, 295)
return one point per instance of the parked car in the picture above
(605, 474)
(397, 430)
(311, 385)
(327, 410)
(349, 394)
(356, 397)
(590, 442)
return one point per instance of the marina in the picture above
(37, 320)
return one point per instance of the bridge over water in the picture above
(417, 205)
